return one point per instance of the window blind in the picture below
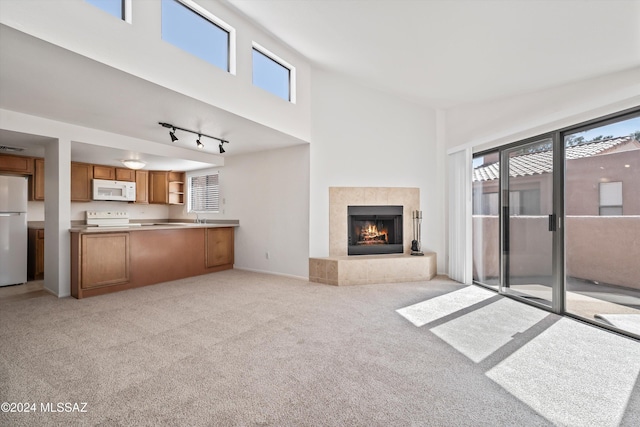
(204, 193)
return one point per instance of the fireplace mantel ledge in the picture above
(371, 269)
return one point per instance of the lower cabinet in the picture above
(219, 245)
(98, 261)
(105, 262)
(35, 259)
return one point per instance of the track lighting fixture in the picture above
(200, 145)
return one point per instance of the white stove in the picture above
(109, 219)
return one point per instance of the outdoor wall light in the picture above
(200, 145)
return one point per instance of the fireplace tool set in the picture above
(415, 243)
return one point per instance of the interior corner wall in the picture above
(365, 138)
(487, 125)
(268, 192)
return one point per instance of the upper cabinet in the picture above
(176, 188)
(124, 174)
(104, 172)
(81, 176)
(16, 164)
(160, 187)
(38, 180)
(166, 187)
(142, 186)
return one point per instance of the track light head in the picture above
(199, 144)
(172, 133)
(221, 149)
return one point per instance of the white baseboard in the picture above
(253, 270)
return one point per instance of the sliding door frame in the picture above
(558, 247)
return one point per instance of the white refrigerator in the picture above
(13, 230)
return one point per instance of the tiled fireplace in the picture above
(370, 231)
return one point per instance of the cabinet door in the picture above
(158, 187)
(81, 175)
(123, 174)
(38, 180)
(142, 187)
(16, 164)
(219, 244)
(105, 259)
(39, 270)
(104, 172)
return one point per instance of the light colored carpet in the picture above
(243, 349)
(433, 309)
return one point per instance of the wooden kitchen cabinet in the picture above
(35, 259)
(166, 187)
(105, 259)
(142, 187)
(159, 187)
(38, 180)
(81, 176)
(176, 188)
(104, 172)
(219, 246)
(110, 261)
(124, 174)
(16, 164)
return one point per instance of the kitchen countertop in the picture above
(164, 225)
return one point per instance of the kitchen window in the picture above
(273, 74)
(204, 193)
(194, 29)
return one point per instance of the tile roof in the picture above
(542, 161)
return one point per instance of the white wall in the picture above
(511, 119)
(365, 138)
(268, 192)
(35, 210)
(138, 49)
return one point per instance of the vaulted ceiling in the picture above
(444, 53)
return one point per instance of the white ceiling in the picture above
(444, 53)
(438, 53)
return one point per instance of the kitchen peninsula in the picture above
(111, 259)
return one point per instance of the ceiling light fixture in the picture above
(133, 163)
(200, 145)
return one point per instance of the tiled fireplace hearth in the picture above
(381, 234)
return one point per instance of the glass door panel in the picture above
(486, 223)
(528, 221)
(602, 206)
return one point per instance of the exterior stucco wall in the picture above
(601, 249)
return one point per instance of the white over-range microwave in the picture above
(123, 191)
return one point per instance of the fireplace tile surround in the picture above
(341, 269)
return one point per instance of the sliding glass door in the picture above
(558, 217)
(528, 221)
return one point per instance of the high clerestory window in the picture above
(121, 9)
(273, 74)
(193, 29)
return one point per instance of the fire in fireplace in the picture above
(375, 230)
